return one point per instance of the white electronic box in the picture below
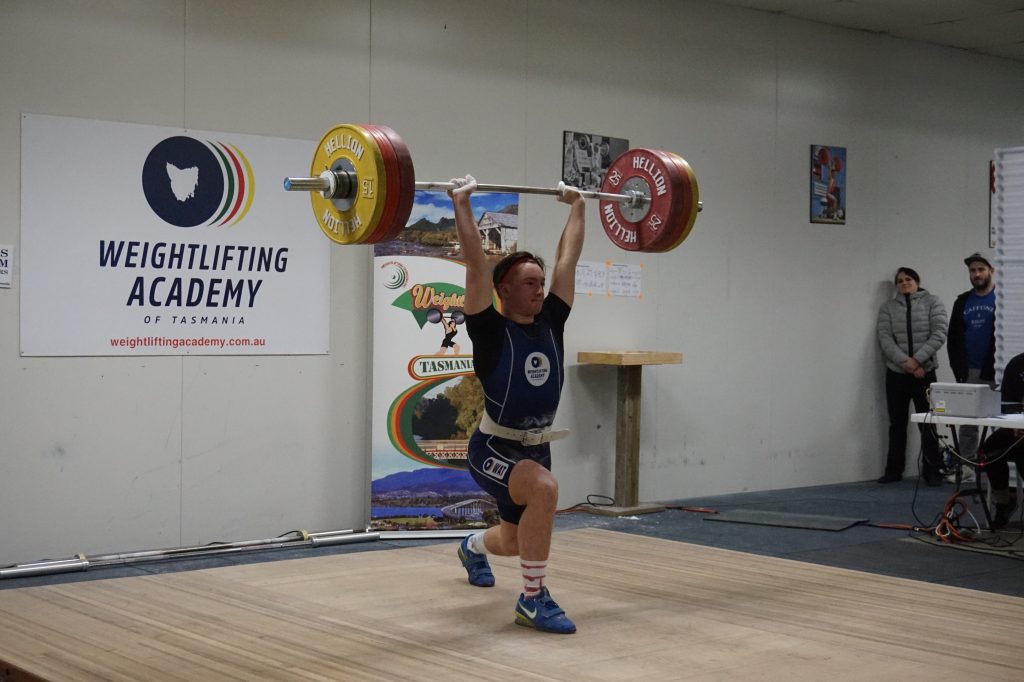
(964, 400)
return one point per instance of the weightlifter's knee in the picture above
(531, 484)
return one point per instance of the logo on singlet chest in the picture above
(537, 369)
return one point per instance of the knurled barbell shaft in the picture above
(323, 184)
(632, 199)
(524, 189)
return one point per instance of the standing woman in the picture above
(911, 330)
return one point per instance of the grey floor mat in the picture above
(785, 519)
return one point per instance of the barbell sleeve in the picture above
(307, 184)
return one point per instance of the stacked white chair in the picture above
(1008, 229)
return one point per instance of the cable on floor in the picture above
(581, 506)
(698, 510)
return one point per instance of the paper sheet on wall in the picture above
(608, 279)
(624, 280)
(591, 278)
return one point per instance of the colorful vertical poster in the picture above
(828, 184)
(426, 399)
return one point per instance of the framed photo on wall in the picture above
(828, 184)
(586, 157)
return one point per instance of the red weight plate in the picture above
(384, 227)
(677, 222)
(663, 180)
(403, 197)
(667, 232)
(620, 231)
(407, 181)
(689, 199)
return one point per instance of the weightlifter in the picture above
(518, 357)
(451, 328)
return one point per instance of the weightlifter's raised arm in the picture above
(478, 268)
(570, 246)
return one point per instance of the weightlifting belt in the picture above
(522, 436)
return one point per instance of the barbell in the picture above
(363, 185)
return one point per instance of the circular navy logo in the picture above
(537, 369)
(183, 181)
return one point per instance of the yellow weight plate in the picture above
(354, 219)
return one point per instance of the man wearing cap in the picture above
(972, 341)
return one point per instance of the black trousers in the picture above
(1003, 446)
(900, 390)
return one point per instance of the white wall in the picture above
(782, 381)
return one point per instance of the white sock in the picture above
(476, 543)
(534, 573)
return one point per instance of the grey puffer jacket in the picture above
(920, 334)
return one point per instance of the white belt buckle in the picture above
(532, 437)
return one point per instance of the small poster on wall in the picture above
(586, 157)
(828, 184)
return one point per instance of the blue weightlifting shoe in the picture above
(476, 565)
(541, 612)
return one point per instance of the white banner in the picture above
(6, 265)
(145, 240)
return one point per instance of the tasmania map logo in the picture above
(189, 183)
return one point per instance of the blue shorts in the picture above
(490, 464)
